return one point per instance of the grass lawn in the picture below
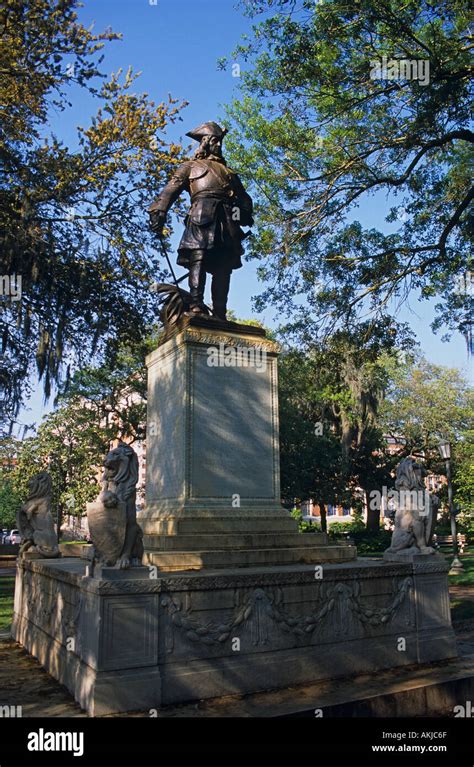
(7, 587)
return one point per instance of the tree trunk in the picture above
(59, 520)
(373, 516)
(322, 514)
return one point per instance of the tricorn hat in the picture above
(207, 129)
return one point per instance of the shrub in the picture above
(303, 526)
(366, 542)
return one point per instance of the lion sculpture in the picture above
(414, 513)
(116, 535)
(35, 521)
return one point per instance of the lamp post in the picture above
(445, 452)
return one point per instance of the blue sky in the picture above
(175, 44)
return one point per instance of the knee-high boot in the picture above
(220, 290)
(197, 278)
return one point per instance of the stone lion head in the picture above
(121, 466)
(409, 475)
(39, 485)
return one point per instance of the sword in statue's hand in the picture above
(177, 300)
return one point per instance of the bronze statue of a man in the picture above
(212, 239)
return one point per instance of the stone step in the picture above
(197, 560)
(218, 524)
(244, 540)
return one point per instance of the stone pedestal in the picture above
(213, 474)
(129, 641)
(233, 599)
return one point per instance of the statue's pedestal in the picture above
(234, 599)
(130, 641)
(408, 555)
(213, 484)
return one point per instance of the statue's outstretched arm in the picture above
(177, 184)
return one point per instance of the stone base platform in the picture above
(428, 690)
(194, 542)
(242, 556)
(129, 641)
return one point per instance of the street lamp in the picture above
(445, 452)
